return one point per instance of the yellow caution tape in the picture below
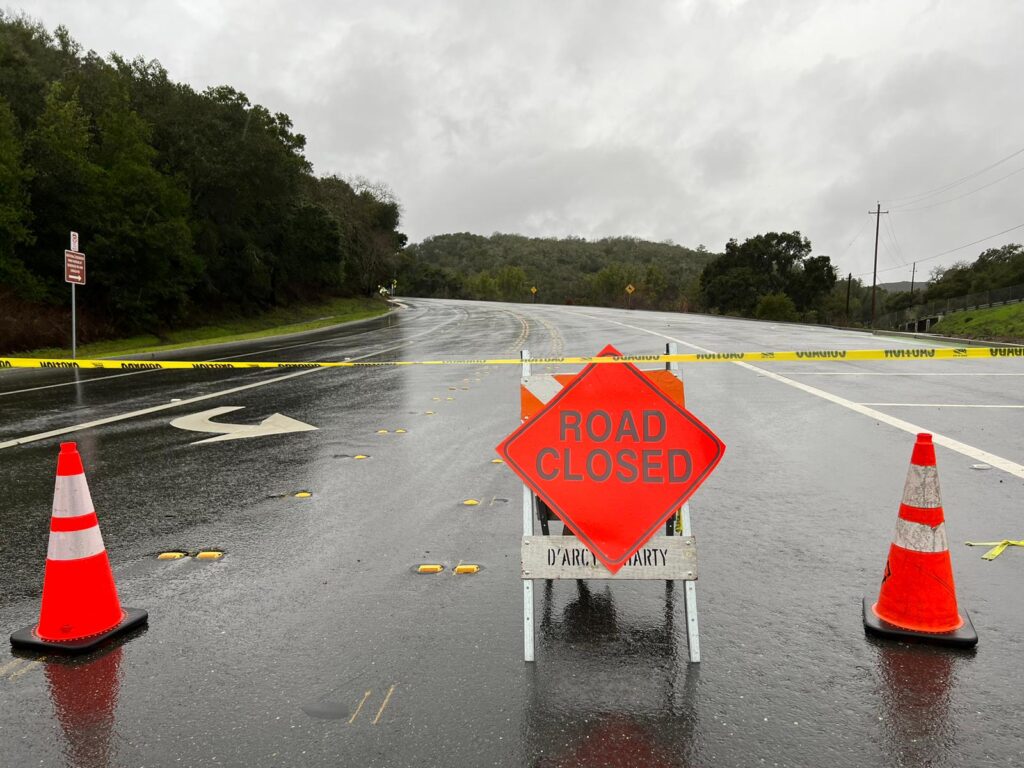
(998, 547)
(821, 355)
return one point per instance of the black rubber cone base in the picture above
(27, 637)
(965, 637)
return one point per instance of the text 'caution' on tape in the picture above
(821, 355)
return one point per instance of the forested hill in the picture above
(189, 204)
(564, 271)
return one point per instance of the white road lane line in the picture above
(938, 405)
(178, 403)
(876, 373)
(72, 383)
(1011, 467)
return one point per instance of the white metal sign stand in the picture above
(528, 515)
(674, 559)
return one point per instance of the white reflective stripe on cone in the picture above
(543, 386)
(74, 545)
(918, 537)
(71, 496)
(922, 487)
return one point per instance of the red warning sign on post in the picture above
(614, 457)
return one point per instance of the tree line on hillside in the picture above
(570, 270)
(189, 205)
(994, 268)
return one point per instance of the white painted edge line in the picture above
(178, 403)
(938, 405)
(879, 373)
(137, 373)
(146, 411)
(1010, 467)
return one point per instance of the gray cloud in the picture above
(695, 121)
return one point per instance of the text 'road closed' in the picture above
(590, 449)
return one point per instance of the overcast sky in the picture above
(691, 121)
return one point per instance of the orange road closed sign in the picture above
(614, 457)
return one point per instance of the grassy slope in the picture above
(998, 324)
(279, 321)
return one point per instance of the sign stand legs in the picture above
(690, 604)
(528, 623)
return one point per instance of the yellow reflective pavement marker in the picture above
(173, 555)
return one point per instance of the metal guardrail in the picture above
(922, 317)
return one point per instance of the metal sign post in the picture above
(74, 273)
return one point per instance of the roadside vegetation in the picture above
(283, 320)
(996, 324)
(191, 207)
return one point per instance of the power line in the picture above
(904, 209)
(891, 235)
(945, 187)
(892, 228)
(856, 237)
(946, 253)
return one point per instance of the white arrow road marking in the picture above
(275, 424)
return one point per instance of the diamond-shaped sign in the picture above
(613, 456)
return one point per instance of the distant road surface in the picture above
(312, 642)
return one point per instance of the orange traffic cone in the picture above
(917, 600)
(80, 606)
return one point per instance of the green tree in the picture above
(15, 214)
(64, 187)
(512, 283)
(766, 264)
(142, 244)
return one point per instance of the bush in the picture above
(776, 306)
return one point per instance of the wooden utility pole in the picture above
(874, 276)
(849, 282)
(913, 272)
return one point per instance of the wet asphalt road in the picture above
(312, 642)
